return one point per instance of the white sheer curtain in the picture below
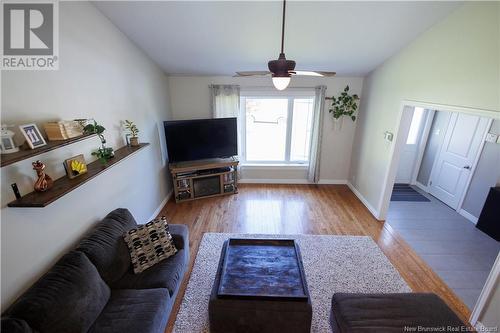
(226, 104)
(315, 151)
(225, 100)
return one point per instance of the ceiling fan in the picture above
(282, 69)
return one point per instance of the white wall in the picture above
(190, 99)
(486, 175)
(456, 62)
(104, 76)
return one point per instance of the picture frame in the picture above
(75, 166)
(32, 135)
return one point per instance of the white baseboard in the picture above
(292, 181)
(365, 202)
(273, 181)
(480, 327)
(332, 181)
(468, 216)
(162, 204)
(422, 187)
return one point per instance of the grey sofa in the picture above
(93, 288)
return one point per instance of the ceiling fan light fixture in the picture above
(280, 82)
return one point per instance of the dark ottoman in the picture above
(256, 315)
(405, 312)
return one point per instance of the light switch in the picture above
(491, 137)
(388, 136)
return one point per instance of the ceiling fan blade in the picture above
(315, 73)
(252, 73)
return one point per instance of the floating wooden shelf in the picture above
(7, 159)
(65, 185)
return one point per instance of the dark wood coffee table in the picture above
(260, 286)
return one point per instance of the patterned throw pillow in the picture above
(149, 244)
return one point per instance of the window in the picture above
(416, 121)
(277, 129)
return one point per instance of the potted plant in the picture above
(133, 133)
(344, 105)
(103, 153)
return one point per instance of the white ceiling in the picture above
(219, 38)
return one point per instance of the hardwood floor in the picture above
(303, 209)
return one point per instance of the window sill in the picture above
(274, 166)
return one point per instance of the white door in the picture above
(409, 153)
(453, 165)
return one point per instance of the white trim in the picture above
(480, 327)
(277, 166)
(486, 293)
(424, 137)
(365, 202)
(474, 165)
(421, 186)
(273, 181)
(270, 91)
(292, 181)
(467, 215)
(453, 108)
(332, 182)
(162, 204)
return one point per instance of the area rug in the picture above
(404, 192)
(331, 264)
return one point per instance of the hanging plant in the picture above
(344, 105)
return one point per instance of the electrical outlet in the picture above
(491, 137)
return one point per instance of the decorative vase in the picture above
(337, 123)
(134, 141)
(44, 182)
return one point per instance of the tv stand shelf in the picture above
(204, 178)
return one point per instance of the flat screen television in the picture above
(189, 140)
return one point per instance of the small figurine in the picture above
(44, 182)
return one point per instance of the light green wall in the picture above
(456, 62)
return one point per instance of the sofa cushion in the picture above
(15, 325)
(390, 312)
(180, 235)
(149, 244)
(166, 274)
(131, 311)
(68, 298)
(105, 246)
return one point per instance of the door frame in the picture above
(401, 132)
(485, 295)
(422, 144)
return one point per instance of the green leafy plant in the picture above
(344, 105)
(132, 128)
(103, 153)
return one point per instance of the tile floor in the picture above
(457, 251)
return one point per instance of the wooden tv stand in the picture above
(204, 178)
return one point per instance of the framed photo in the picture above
(75, 166)
(33, 136)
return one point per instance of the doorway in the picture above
(439, 155)
(453, 155)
